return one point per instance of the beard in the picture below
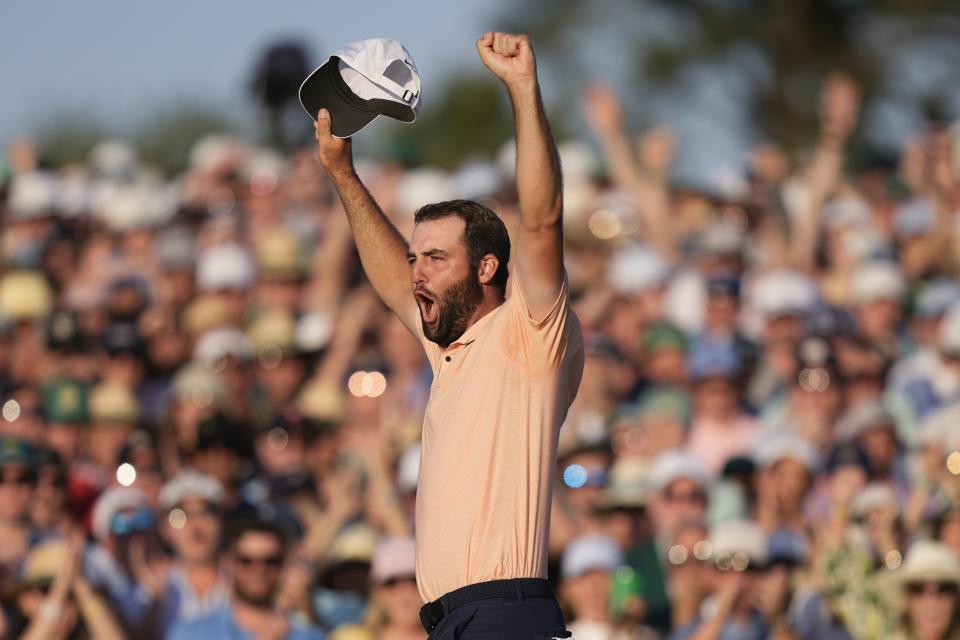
(261, 599)
(454, 308)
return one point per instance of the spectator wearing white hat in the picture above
(395, 603)
(191, 522)
(739, 558)
(678, 483)
(122, 522)
(228, 271)
(786, 466)
(929, 582)
(871, 427)
(877, 293)
(587, 571)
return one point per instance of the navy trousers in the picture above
(511, 618)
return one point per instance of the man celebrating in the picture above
(507, 357)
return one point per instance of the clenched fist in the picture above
(336, 154)
(508, 57)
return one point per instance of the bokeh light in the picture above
(126, 474)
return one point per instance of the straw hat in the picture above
(928, 561)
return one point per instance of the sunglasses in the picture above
(21, 479)
(130, 522)
(390, 582)
(272, 562)
(935, 588)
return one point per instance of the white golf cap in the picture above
(110, 503)
(673, 465)
(878, 280)
(636, 268)
(590, 552)
(191, 484)
(784, 292)
(393, 558)
(784, 446)
(361, 81)
(732, 538)
(222, 342)
(225, 266)
(949, 335)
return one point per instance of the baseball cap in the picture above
(110, 503)
(590, 552)
(361, 81)
(191, 484)
(393, 558)
(878, 280)
(673, 465)
(783, 446)
(16, 451)
(664, 336)
(665, 402)
(863, 417)
(65, 401)
(936, 297)
(637, 268)
(712, 358)
(737, 538)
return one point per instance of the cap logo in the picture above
(399, 73)
(68, 398)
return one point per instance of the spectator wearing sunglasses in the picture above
(17, 481)
(255, 557)
(929, 581)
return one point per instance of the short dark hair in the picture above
(484, 233)
(247, 523)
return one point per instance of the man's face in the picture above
(195, 530)
(931, 607)
(589, 595)
(445, 286)
(257, 559)
(683, 500)
(16, 490)
(401, 601)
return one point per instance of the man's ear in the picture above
(488, 268)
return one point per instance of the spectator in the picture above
(195, 583)
(929, 581)
(255, 554)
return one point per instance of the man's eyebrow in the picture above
(428, 252)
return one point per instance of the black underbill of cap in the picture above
(326, 89)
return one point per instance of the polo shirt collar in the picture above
(473, 331)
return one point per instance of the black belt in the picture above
(432, 613)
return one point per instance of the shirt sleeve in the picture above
(542, 343)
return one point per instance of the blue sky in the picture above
(119, 60)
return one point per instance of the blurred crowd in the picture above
(209, 424)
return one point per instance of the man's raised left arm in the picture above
(538, 256)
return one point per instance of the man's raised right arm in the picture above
(383, 251)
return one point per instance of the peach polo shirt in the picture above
(498, 398)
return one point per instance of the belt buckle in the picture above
(431, 614)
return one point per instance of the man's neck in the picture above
(490, 303)
(258, 620)
(202, 576)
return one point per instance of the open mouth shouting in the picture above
(428, 306)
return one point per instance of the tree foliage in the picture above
(798, 42)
